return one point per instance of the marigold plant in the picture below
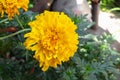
(11, 7)
(53, 38)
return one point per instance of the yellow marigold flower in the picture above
(11, 7)
(23, 4)
(1, 10)
(53, 38)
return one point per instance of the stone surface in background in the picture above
(78, 7)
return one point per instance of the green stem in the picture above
(16, 17)
(18, 32)
(3, 20)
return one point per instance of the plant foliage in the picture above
(94, 59)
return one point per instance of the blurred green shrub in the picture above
(112, 5)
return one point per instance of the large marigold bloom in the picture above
(53, 38)
(11, 7)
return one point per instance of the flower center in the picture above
(50, 41)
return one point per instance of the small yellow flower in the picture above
(11, 7)
(23, 4)
(53, 38)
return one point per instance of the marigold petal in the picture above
(53, 38)
(11, 7)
